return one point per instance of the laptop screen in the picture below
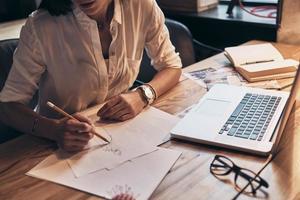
(287, 110)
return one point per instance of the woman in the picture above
(85, 52)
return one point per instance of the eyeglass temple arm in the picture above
(257, 174)
(261, 182)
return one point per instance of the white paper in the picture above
(109, 156)
(130, 139)
(138, 177)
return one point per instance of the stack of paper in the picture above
(139, 177)
(132, 159)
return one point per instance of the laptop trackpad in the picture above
(211, 117)
(213, 107)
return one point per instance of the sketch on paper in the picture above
(111, 148)
(129, 140)
(119, 189)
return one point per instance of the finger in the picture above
(76, 143)
(113, 110)
(73, 148)
(113, 101)
(82, 118)
(72, 145)
(83, 136)
(110, 110)
(73, 125)
(119, 114)
(125, 117)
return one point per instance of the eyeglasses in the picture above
(223, 166)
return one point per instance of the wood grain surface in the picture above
(189, 178)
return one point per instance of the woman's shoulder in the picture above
(145, 5)
(36, 19)
(39, 16)
(43, 18)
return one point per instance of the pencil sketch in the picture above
(129, 140)
(119, 189)
(112, 149)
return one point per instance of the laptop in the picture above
(240, 118)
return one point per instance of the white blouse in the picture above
(62, 57)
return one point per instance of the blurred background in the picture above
(218, 23)
(16, 9)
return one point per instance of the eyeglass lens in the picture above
(222, 166)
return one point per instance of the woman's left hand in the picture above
(123, 107)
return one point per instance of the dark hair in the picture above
(57, 7)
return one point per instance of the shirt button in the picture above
(113, 53)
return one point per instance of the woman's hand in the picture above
(123, 107)
(73, 135)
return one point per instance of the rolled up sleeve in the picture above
(27, 68)
(158, 45)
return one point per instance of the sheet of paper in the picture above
(208, 77)
(273, 84)
(109, 156)
(130, 139)
(138, 177)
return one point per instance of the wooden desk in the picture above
(190, 177)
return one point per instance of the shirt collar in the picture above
(81, 16)
(117, 12)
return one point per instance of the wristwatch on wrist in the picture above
(148, 93)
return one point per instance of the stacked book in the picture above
(187, 5)
(261, 62)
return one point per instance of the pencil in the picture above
(59, 110)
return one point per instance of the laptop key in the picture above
(232, 131)
(253, 136)
(242, 136)
(260, 138)
(238, 110)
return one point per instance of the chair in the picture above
(7, 48)
(190, 50)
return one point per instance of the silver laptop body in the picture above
(240, 118)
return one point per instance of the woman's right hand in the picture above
(73, 135)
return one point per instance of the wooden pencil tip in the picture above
(50, 104)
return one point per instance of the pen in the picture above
(260, 61)
(59, 110)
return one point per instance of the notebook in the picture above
(260, 62)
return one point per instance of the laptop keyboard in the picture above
(251, 117)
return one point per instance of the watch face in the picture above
(148, 93)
